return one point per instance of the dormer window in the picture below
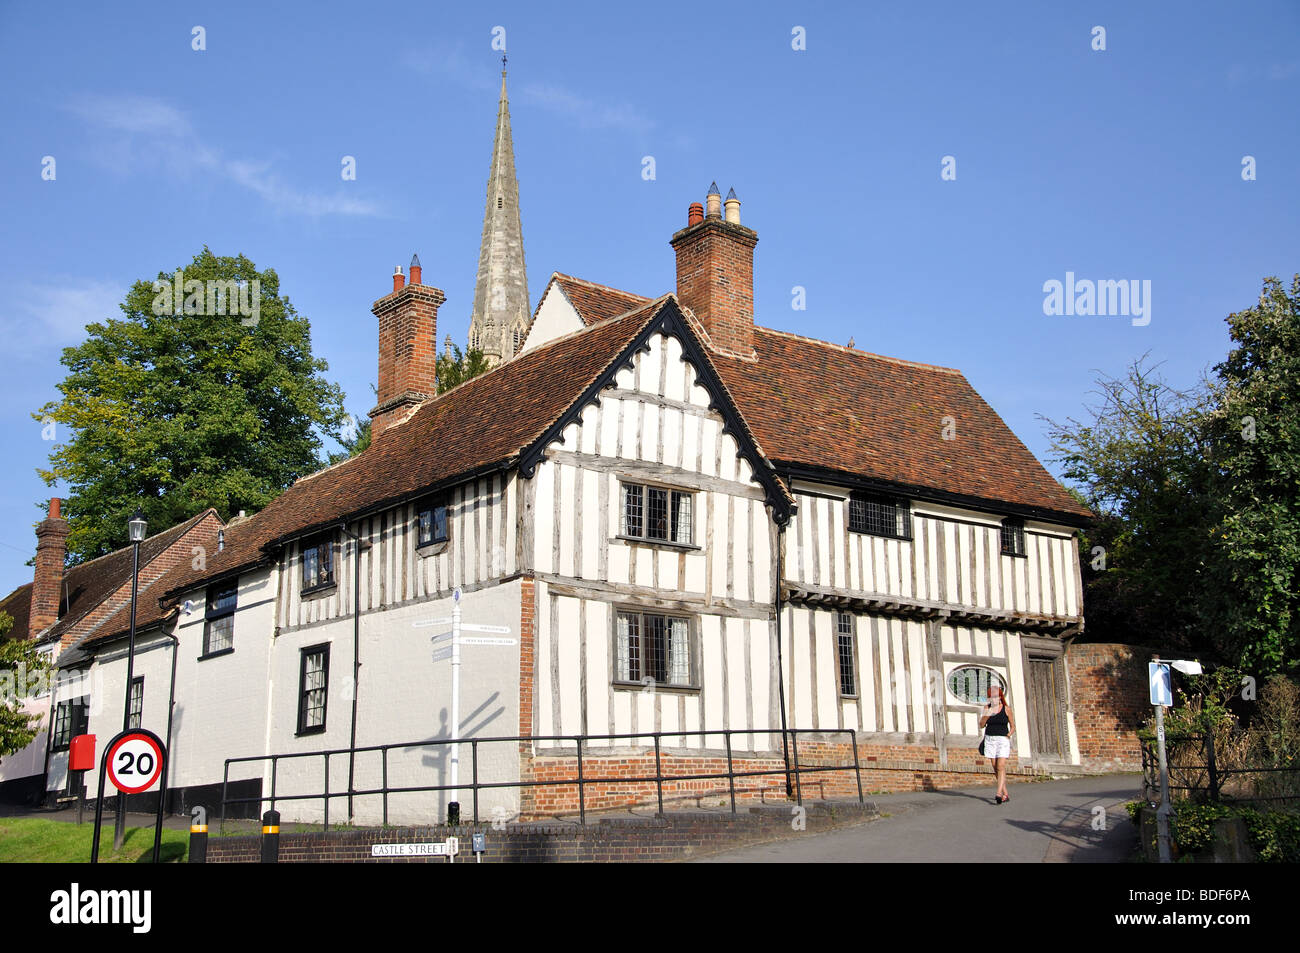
(318, 562)
(1013, 536)
(880, 515)
(501, 203)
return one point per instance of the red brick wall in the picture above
(202, 534)
(614, 840)
(884, 769)
(408, 348)
(1110, 698)
(715, 279)
(527, 673)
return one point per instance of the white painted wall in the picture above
(555, 318)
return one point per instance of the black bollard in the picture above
(271, 837)
(198, 843)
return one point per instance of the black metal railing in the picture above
(580, 779)
(1198, 773)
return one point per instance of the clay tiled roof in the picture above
(484, 424)
(88, 584)
(820, 405)
(595, 302)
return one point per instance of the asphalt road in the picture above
(1044, 822)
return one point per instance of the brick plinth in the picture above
(628, 780)
(1110, 698)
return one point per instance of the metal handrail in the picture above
(581, 779)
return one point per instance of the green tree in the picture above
(23, 671)
(1139, 459)
(1255, 435)
(179, 404)
(455, 368)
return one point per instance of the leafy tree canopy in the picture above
(181, 404)
(24, 671)
(1198, 496)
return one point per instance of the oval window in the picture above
(971, 683)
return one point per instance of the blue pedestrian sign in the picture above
(1162, 692)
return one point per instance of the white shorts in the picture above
(997, 746)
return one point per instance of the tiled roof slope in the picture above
(482, 424)
(18, 605)
(595, 302)
(821, 405)
(88, 584)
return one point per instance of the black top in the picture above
(998, 724)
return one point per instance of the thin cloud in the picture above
(144, 133)
(583, 111)
(56, 313)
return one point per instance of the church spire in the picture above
(500, 315)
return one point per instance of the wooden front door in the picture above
(1044, 710)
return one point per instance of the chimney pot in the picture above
(695, 214)
(733, 208)
(415, 269)
(398, 280)
(714, 200)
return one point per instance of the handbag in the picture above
(982, 744)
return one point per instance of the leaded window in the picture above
(971, 684)
(219, 619)
(653, 649)
(313, 689)
(657, 513)
(1013, 536)
(844, 633)
(431, 520)
(136, 706)
(318, 561)
(880, 516)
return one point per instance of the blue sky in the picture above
(1117, 164)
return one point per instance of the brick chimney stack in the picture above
(47, 585)
(715, 273)
(408, 329)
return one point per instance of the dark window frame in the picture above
(637, 671)
(1012, 533)
(323, 649)
(846, 639)
(71, 718)
(867, 515)
(135, 715)
(431, 507)
(219, 611)
(656, 503)
(323, 544)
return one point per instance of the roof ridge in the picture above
(181, 527)
(858, 352)
(596, 284)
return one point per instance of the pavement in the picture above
(1044, 822)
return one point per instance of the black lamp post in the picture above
(136, 527)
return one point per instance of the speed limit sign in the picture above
(135, 761)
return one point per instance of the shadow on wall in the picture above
(1109, 695)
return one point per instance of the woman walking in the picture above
(999, 725)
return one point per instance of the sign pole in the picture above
(455, 698)
(1163, 811)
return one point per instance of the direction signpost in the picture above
(135, 760)
(457, 627)
(1162, 696)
